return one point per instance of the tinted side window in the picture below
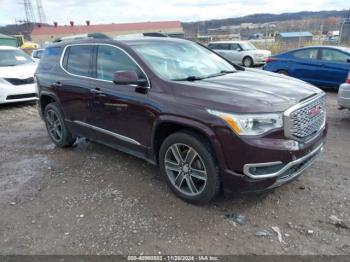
(334, 55)
(306, 54)
(50, 58)
(235, 47)
(111, 59)
(78, 60)
(212, 46)
(223, 46)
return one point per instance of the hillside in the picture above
(261, 18)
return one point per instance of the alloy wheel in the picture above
(54, 125)
(185, 169)
(247, 62)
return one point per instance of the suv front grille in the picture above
(306, 119)
(18, 81)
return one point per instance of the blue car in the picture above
(323, 66)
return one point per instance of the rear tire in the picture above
(248, 61)
(56, 128)
(187, 162)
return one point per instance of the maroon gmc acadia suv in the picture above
(209, 124)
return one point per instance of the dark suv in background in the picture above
(206, 122)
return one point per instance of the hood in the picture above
(20, 71)
(246, 91)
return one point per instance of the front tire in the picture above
(56, 127)
(248, 61)
(187, 162)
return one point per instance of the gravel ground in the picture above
(94, 200)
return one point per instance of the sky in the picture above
(121, 11)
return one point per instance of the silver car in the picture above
(240, 52)
(344, 94)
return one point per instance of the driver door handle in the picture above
(97, 91)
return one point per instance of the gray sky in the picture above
(119, 11)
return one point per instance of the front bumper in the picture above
(283, 173)
(259, 60)
(17, 93)
(344, 96)
(275, 160)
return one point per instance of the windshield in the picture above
(182, 60)
(248, 46)
(14, 58)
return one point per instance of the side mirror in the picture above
(128, 78)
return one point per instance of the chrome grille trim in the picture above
(299, 125)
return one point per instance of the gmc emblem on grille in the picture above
(315, 111)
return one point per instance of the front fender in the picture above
(196, 126)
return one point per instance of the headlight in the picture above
(251, 124)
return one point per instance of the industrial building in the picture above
(42, 34)
(294, 37)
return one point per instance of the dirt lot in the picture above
(95, 200)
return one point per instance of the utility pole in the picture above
(41, 13)
(344, 34)
(28, 8)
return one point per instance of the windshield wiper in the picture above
(227, 71)
(195, 78)
(189, 78)
(223, 72)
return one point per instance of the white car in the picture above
(16, 76)
(240, 52)
(344, 94)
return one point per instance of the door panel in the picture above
(75, 87)
(336, 67)
(120, 109)
(225, 51)
(305, 65)
(236, 53)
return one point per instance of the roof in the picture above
(2, 36)
(340, 48)
(81, 29)
(128, 42)
(295, 34)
